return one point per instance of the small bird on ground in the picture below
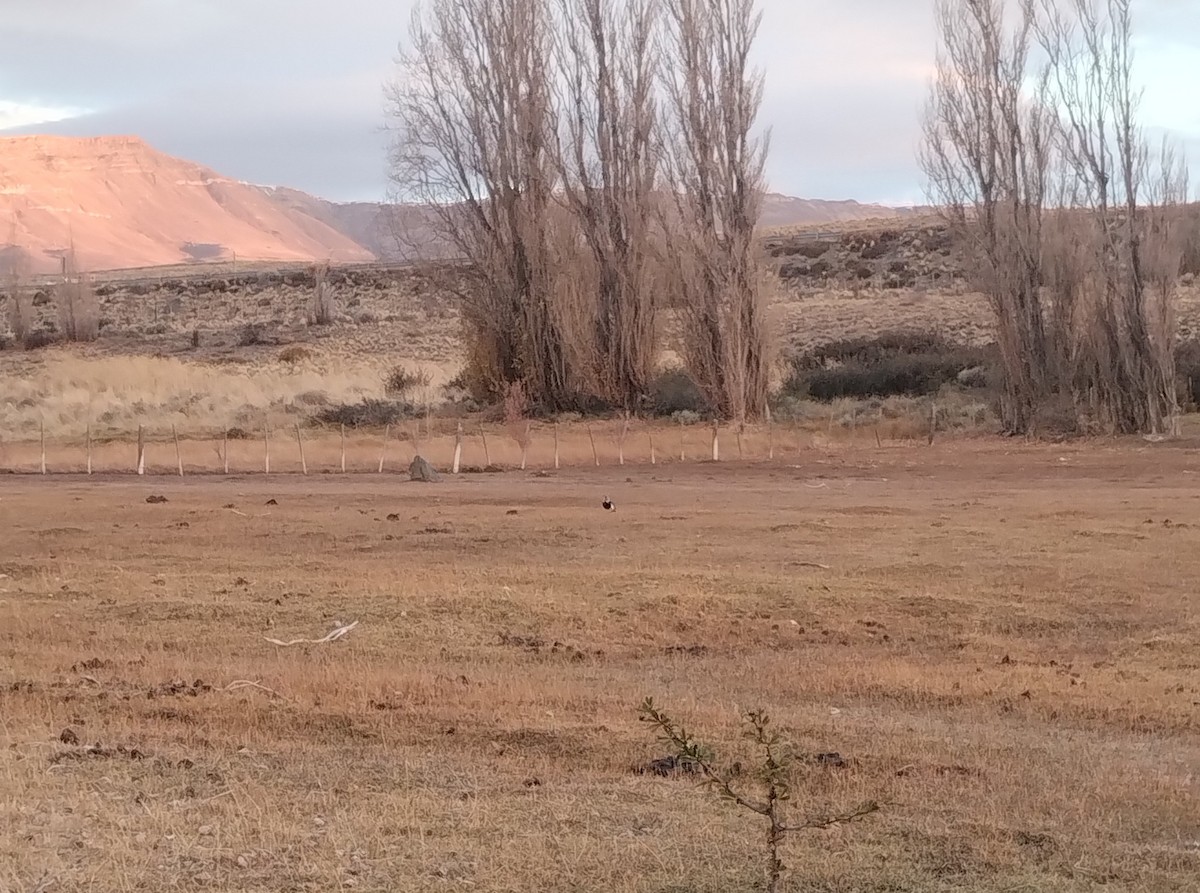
(609, 505)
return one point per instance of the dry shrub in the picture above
(1190, 261)
(892, 364)
(811, 250)
(38, 338)
(323, 309)
(252, 335)
(401, 381)
(367, 413)
(295, 354)
(1187, 371)
(516, 412)
(20, 313)
(78, 309)
(673, 391)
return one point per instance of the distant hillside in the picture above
(120, 203)
(784, 210)
(401, 232)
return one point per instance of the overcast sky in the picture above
(288, 92)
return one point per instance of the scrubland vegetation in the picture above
(977, 656)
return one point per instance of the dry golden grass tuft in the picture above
(1003, 645)
(63, 391)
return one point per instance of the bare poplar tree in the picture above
(20, 302)
(987, 154)
(714, 170)
(78, 306)
(322, 308)
(608, 160)
(475, 128)
(1075, 227)
(1126, 221)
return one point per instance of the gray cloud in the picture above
(289, 92)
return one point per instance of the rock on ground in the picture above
(420, 470)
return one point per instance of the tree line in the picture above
(598, 166)
(594, 162)
(1075, 224)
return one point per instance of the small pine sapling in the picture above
(765, 791)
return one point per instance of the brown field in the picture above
(1005, 646)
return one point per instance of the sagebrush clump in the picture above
(402, 381)
(892, 364)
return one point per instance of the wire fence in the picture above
(525, 446)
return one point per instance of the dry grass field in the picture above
(1004, 644)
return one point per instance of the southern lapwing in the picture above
(609, 505)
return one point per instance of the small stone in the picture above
(206, 830)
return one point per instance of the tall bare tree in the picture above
(987, 156)
(714, 168)
(608, 159)
(475, 128)
(77, 303)
(14, 267)
(1126, 221)
(1076, 227)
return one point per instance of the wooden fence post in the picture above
(556, 444)
(225, 451)
(595, 455)
(932, 421)
(650, 435)
(770, 436)
(300, 444)
(682, 431)
(42, 438)
(266, 447)
(621, 440)
(741, 427)
(525, 446)
(178, 453)
(416, 436)
(487, 456)
(89, 447)
(141, 451)
(387, 430)
(457, 450)
(716, 448)
(343, 449)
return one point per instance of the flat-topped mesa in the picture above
(122, 203)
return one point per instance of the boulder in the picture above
(420, 470)
(974, 377)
